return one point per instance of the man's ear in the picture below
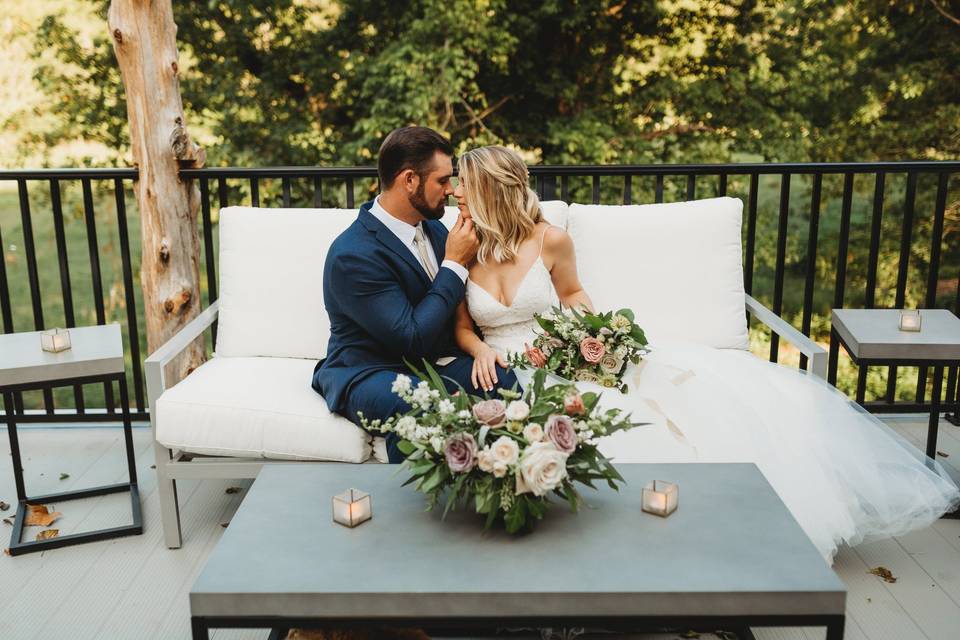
(410, 180)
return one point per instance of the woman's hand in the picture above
(485, 362)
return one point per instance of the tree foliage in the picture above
(320, 82)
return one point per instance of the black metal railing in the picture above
(816, 236)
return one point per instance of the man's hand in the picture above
(462, 242)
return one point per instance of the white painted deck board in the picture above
(136, 588)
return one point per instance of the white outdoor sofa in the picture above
(678, 266)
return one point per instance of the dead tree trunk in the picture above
(144, 41)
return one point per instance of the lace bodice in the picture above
(506, 328)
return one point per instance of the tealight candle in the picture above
(910, 320)
(55, 340)
(660, 498)
(352, 507)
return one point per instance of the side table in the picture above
(96, 355)
(872, 337)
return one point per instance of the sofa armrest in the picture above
(816, 355)
(156, 362)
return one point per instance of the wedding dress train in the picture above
(845, 476)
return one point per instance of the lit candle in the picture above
(660, 498)
(352, 507)
(55, 340)
(910, 320)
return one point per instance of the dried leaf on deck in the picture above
(47, 534)
(231, 490)
(943, 454)
(8, 521)
(6, 552)
(883, 572)
(224, 524)
(4, 506)
(39, 516)
(153, 466)
(64, 476)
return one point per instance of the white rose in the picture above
(499, 469)
(533, 432)
(485, 461)
(543, 468)
(518, 410)
(506, 450)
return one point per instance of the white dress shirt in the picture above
(406, 234)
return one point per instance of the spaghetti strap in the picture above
(543, 237)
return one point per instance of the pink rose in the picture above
(573, 404)
(560, 432)
(535, 356)
(592, 350)
(492, 413)
(460, 450)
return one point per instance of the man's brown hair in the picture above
(409, 148)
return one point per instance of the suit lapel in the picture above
(392, 242)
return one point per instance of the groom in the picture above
(392, 282)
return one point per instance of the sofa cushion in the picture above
(555, 211)
(256, 407)
(271, 280)
(677, 265)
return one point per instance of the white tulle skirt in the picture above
(845, 476)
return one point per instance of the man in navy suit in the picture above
(388, 295)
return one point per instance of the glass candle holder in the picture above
(660, 498)
(352, 507)
(55, 340)
(910, 320)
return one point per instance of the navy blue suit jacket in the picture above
(383, 307)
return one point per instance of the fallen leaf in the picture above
(943, 454)
(4, 506)
(224, 524)
(869, 599)
(8, 521)
(39, 516)
(64, 476)
(47, 534)
(153, 466)
(884, 573)
(234, 489)
(6, 552)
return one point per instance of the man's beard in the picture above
(419, 202)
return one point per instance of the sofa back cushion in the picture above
(677, 265)
(271, 280)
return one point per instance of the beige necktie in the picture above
(421, 243)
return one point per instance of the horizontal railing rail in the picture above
(816, 236)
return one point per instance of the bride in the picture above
(844, 475)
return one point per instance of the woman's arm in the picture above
(485, 359)
(558, 248)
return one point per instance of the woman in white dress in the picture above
(844, 475)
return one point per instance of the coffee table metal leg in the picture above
(836, 627)
(199, 628)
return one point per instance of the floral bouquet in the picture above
(502, 457)
(584, 346)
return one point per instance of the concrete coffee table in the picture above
(730, 557)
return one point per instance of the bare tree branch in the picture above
(952, 18)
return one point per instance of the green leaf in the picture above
(406, 447)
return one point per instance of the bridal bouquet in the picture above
(584, 346)
(502, 457)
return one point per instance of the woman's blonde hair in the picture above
(505, 209)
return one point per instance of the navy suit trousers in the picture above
(372, 396)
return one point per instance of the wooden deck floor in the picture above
(136, 588)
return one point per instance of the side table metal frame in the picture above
(937, 366)
(18, 547)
